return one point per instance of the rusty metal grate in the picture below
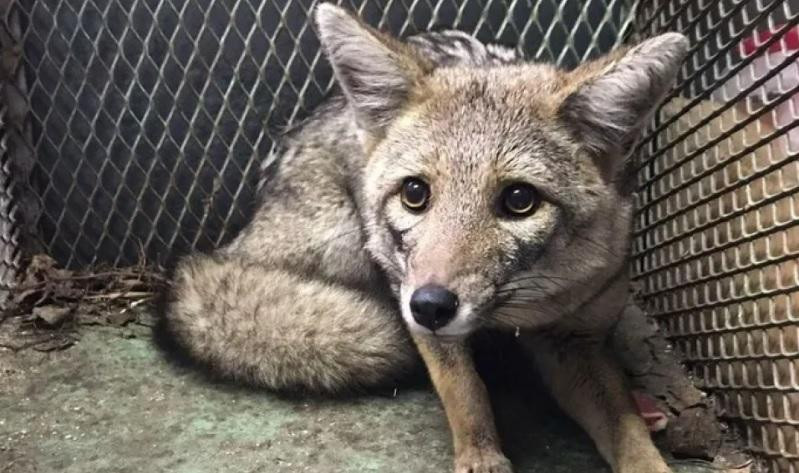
(151, 118)
(717, 234)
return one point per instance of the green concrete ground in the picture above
(113, 403)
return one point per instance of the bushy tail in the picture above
(272, 328)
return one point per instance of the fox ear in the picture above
(608, 109)
(376, 72)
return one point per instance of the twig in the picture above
(88, 277)
(709, 465)
(33, 344)
(120, 295)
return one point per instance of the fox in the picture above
(448, 187)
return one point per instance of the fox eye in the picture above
(519, 200)
(414, 194)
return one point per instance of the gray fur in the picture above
(450, 47)
(317, 164)
(313, 292)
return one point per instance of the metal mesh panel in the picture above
(717, 233)
(151, 118)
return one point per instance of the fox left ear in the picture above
(608, 109)
(376, 72)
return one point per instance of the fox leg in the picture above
(591, 388)
(465, 400)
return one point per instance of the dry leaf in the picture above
(51, 315)
(121, 318)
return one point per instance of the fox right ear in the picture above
(619, 92)
(376, 72)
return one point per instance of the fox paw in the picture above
(482, 461)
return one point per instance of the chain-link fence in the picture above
(138, 128)
(717, 233)
(13, 110)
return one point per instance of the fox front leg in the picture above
(591, 388)
(465, 400)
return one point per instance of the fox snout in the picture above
(446, 281)
(433, 306)
(442, 306)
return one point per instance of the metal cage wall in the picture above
(137, 128)
(717, 231)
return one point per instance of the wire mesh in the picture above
(12, 115)
(717, 232)
(152, 118)
(9, 263)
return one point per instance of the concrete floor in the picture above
(113, 403)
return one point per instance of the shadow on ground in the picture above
(113, 403)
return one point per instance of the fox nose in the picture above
(433, 306)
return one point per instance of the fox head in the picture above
(490, 193)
